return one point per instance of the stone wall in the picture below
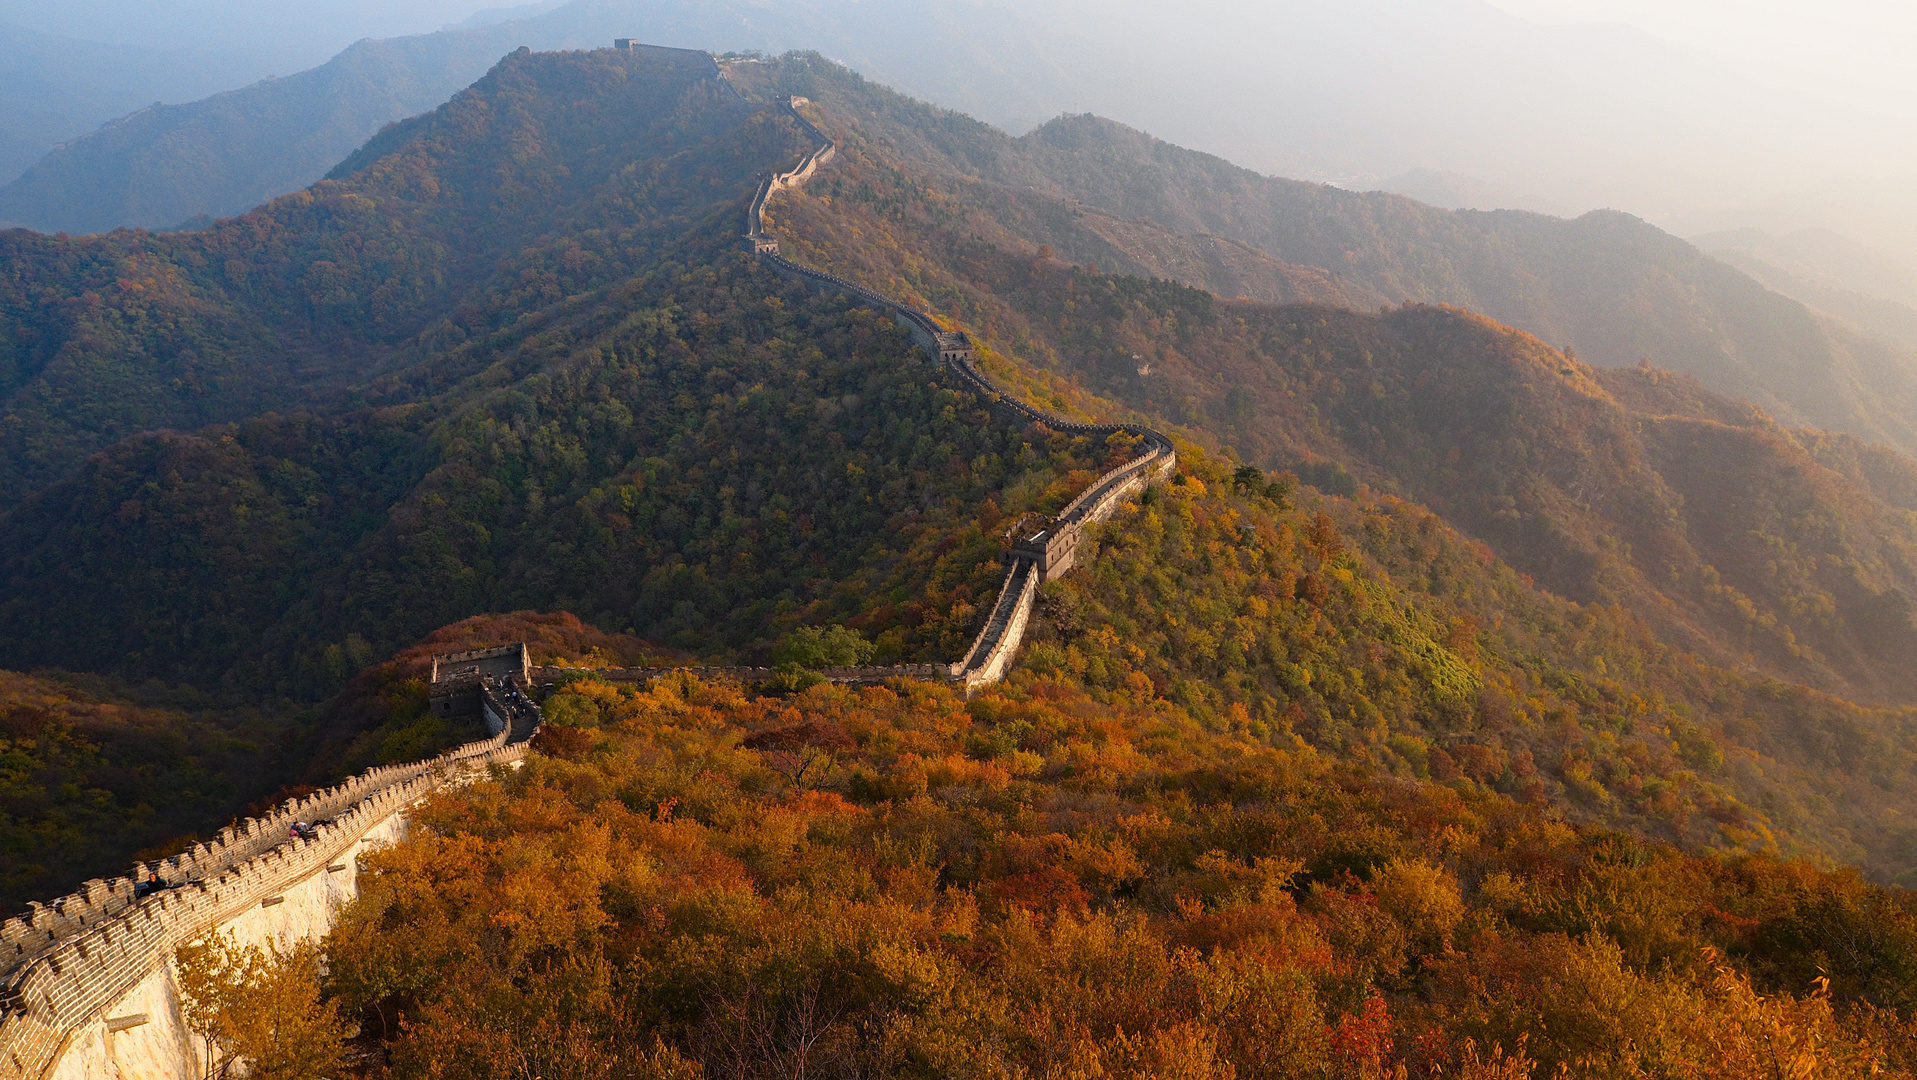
(96, 960)
(1004, 630)
(143, 1035)
(86, 989)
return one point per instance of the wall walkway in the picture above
(998, 642)
(86, 990)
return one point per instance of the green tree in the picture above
(821, 647)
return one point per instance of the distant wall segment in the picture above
(1036, 558)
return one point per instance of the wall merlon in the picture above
(75, 957)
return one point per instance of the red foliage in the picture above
(1362, 1040)
(1042, 892)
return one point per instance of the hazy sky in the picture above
(1870, 43)
(1798, 93)
(308, 31)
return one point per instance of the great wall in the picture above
(1034, 558)
(87, 990)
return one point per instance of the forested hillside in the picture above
(538, 374)
(448, 228)
(92, 772)
(510, 357)
(1045, 882)
(1735, 537)
(1617, 289)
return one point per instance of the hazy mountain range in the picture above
(1830, 272)
(1577, 116)
(58, 88)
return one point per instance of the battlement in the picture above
(66, 964)
(626, 44)
(1049, 550)
(457, 678)
(503, 661)
(954, 347)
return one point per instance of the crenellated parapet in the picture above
(67, 962)
(1038, 556)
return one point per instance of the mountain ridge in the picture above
(611, 408)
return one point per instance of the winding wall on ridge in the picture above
(88, 969)
(998, 641)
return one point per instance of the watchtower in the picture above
(1049, 550)
(456, 676)
(954, 348)
(762, 245)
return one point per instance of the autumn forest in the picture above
(1458, 707)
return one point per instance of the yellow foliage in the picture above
(1423, 898)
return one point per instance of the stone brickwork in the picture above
(1037, 557)
(68, 964)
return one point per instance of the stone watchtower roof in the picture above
(954, 345)
(505, 661)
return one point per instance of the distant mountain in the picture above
(1612, 287)
(1831, 222)
(227, 153)
(1455, 191)
(1331, 92)
(53, 89)
(1870, 290)
(1822, 258)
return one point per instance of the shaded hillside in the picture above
(1614, 287)
(458, 224)
(615, 412)
(90, 775)
(1887, 319)
(659, 461)
(1712, 522)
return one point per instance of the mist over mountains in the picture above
(1579, 116)
(57, 88)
